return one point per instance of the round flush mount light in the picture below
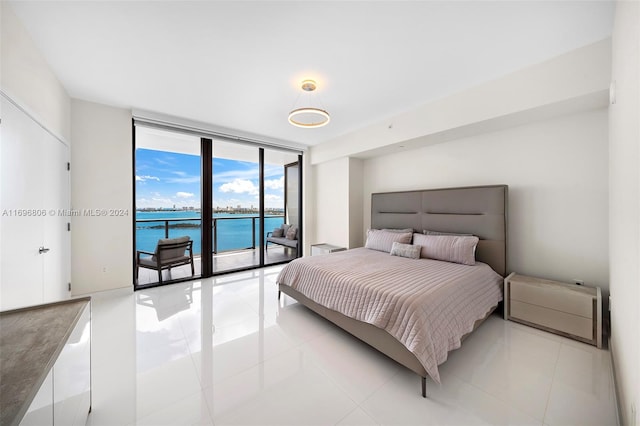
(309, 117)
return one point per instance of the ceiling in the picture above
(239, 64)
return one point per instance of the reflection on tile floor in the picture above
(224, 351)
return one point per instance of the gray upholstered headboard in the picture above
(477, 210)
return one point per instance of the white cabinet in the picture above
(570, 310)
(45, 364)
(40, 412)
(325, 249)
(72, 376)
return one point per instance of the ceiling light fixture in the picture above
(308, 117)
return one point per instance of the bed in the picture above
(413, 310)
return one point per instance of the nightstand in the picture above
(570, 310)
(325, 249)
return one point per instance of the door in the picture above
(28, 154)
(56, 236)
(281, 206)
(167, 198)
(235, 191)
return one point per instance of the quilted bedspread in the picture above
(427, 305)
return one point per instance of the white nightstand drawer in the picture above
(561, 321)
(571, 310)
(324, 248)
(553, 297)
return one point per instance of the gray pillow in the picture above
(292, 233)
(428, 232)
(405, 250)
(278, 232)
(450, 248)
(402, 231)
(383, 240)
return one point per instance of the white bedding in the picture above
(427, 305)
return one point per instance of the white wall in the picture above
(356, 206)
(27, 80)
(575, 83)
(26, 77)
(338, 203)
(569, 82)
(101, 178)
(308, 206)
(331, 203)
(624, 207)
(557, 172)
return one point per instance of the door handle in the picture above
(43, 249)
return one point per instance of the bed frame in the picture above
(477, 210)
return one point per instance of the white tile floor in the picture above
(224, 351)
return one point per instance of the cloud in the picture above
(185, 179)
(181, 194)
(164, 162)
(231, 175)
(272, 197)
(145, 178)
(274, 183)
(239, 186)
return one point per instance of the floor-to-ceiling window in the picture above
(224, 196)
(167, 198)
(235, 194)
(282, 205)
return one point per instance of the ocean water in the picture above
(233, 231)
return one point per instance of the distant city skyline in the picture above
(172, 180)
(227, 209)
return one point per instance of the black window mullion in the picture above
(261, 202)
(206, 206)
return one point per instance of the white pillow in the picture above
(383, 240)
(450, 248)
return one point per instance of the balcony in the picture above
(235, 244)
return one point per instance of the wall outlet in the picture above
(104, 269)
(578, 281)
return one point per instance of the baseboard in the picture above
(616, 388)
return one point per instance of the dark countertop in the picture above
(30, 341)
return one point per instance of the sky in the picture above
(167, 179)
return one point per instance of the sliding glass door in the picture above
(235, 200)
(281, 208)
(227, 198)
(167, 200)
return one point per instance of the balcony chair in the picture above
(286, 235)
(169, 253)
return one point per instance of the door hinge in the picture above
(68, 166)
(69, 286)
(68, 226)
